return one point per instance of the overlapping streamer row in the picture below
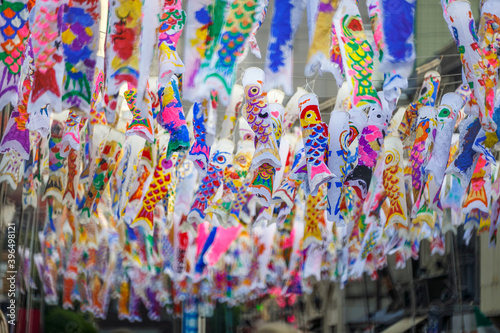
(149, 203)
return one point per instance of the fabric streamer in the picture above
(461, 22)
(393, 180)
(71, 137)
(220, 76)
(318, 58)
(222, 156)
(80, 38)
(16, 134)
(397, 50)
(49, 67)
(172, 21)
(314, 219)
(447, 113)
(171, 117)
(287, 16)
(424, 139)
(14, 33)
(257, 116)
(105, 167)
(357, 54)
(426, 97)
(480, 188)
(140, 126)
(55, 184)
(463, 165)
(251, 44)
(69, 196)
(315, 136)
(337, 159)
(369, 146)
(198, 20)
(156, 191)
(10, 168)
(199, 152)
(123, 45)
(266, 177)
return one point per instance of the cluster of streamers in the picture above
(478, 55)
(143, 203)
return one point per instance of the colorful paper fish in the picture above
(238, 24)
(461, 23)
(172, 20)
(123, 45)
(171, 117)
(258, 117)
(424, 138)
(14, 32)
(426, 97)
(157, 190)
(315, 136)
(393, 181)
(337, 160)
(105, 166)
(199, 152)
(447, 113)
(49, 66)
(287, 16)
(80, 40)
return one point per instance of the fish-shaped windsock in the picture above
(315, 137)
(426, 97)
(221, 158)
(199, 152)
(259, 118)
(264, 180)
(55, 186)
(139, 125)
(314, 219)
(172, 20)
(393, 180)
(447, 113)
(171, 117)
(105, 166)
(15, 33)
(357, 54)
(123, 54)
(465, 162)
(71, 137)
(49, 65)
(337, 160)
(237, 27)
(157, 190)
(369, 147)
(480, 188)
(80, 40)
(458, 15)
(424, 138)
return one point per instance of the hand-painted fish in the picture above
(315, 137)
(259, 119)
